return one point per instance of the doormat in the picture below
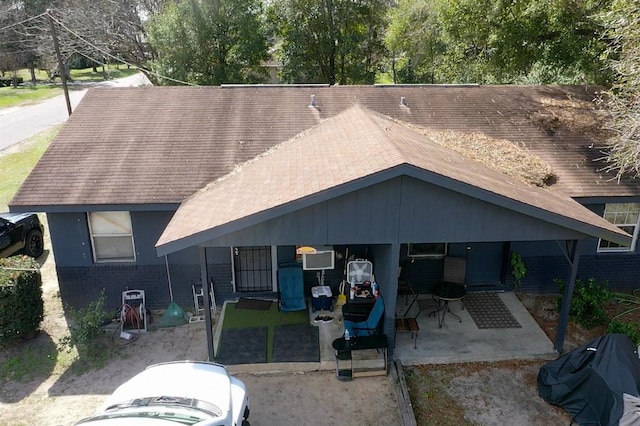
(488, 311)
(243, 346)
(296, 343)
(255, 304)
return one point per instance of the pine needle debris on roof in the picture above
(498, 154)
(579, 116)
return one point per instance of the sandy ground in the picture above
(64, 397)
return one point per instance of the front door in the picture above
(252, 269)
(485, 262)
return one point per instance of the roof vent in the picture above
(403, 101)
(312, 104)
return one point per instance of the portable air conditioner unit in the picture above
(319, 260)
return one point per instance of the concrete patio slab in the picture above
(462, 341)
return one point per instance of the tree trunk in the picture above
(32, 71)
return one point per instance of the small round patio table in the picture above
(445, 292)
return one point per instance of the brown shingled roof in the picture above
(159, 145)
(350, 146)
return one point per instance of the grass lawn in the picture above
(16, 164)
(27, 94)
(87, 74)
(44, 89)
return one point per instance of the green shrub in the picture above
(6, 82)
(85, 323)
(517, 268)
(21, 303)
(627, 328)
(588, 302)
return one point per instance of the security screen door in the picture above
(252, 267)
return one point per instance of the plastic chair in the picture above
(370, 326)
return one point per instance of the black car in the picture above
(21, 232)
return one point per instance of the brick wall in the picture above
(620, 271)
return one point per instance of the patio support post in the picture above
(573, 257)
(206, 301)
(390, 294)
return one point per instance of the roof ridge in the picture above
(371, 114)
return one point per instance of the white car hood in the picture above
(204, 382)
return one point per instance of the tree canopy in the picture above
(329, 41)
(497, 41)
(622, 101)
(210, 42)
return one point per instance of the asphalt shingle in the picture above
(159, 145)
(360, 143)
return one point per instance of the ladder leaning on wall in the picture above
(198, 302)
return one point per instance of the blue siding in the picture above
(72, 243)
(70, 239)
(147, 228)
(431, 213)
(371, 220)
(400, 210)
(485, 263)
(81, 280)
(386, 277)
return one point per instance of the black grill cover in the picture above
(589, 381)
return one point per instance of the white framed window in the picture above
(111, 237)
(625, 216)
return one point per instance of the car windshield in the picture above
(171, 416)
(171, 401)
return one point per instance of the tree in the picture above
(18, 39)
(329, 41)
(498, 41)
(623, 100)
(110, 28)
(210, 42)
(93, 32)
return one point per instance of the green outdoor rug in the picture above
(235, 318)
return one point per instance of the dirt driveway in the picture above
(314, 398)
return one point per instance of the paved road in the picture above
(18, 124)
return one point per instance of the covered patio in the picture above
(406, 190)
(457, 341)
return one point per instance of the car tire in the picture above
(34, 243)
